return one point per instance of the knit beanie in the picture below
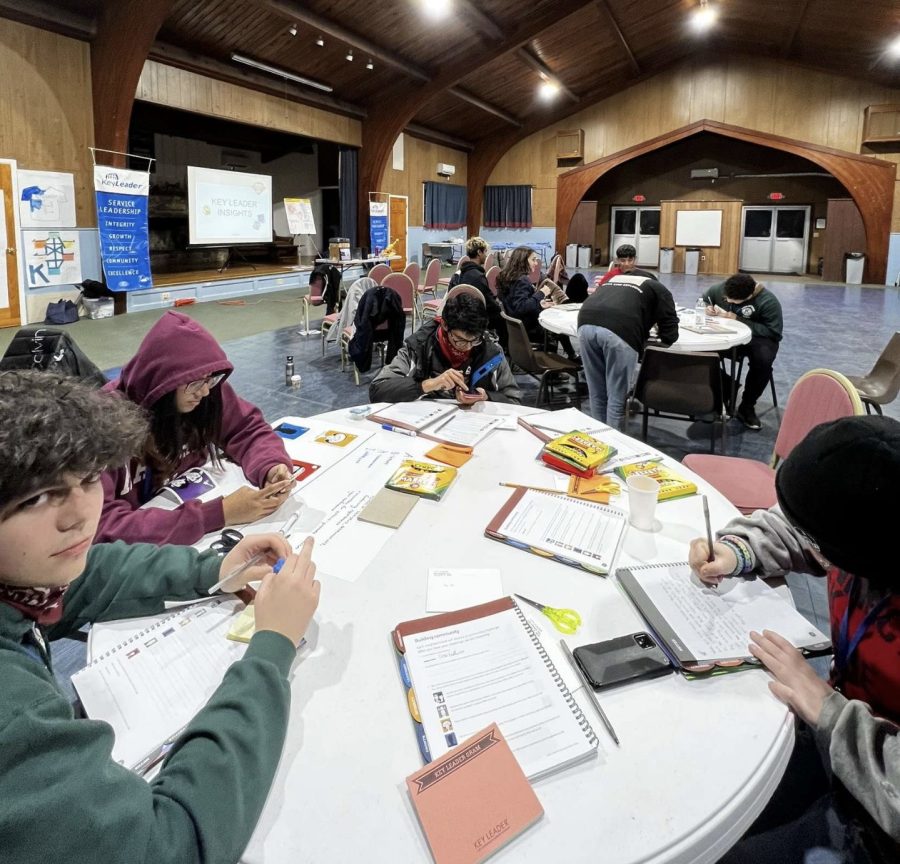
(840, 486)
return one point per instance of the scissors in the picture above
(565, 620)
(229, 539)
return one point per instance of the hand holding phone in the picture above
(617, 661)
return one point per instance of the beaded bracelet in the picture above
(745, 560)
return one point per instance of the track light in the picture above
(548, 89)
(893, 49)
(292, 29)
(320, 42)
(349, 56)
(436, 9)
(370, 64)
(704, 16)
(280, 73)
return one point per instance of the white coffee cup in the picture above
(296, 381)
(642, 495)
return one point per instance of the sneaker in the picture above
(748, 417)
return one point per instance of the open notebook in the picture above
(485, 664)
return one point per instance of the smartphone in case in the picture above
(286, 430)
(617, 661)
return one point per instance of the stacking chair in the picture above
(681, 385)
(313, 298)
(445, 280)
(429, 286)
(817, 397)
(378, 272)
(414, 271)
(403, 285)
(490, 261)
(492, 275)
(737, 370)
(881, 385)
(541, 365)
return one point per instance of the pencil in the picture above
(711, 556)
(535, 488)
(590, 690)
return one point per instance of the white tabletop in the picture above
(698, 759)
(564, 319)
(356, 262)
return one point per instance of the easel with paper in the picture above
(299, 215)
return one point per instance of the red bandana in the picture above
(454, 356)
(42, 605)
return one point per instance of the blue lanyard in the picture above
(848, 644)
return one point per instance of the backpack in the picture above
(45, 349)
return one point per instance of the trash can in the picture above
(692, 260)
(854, 264)
(585, 254)
(572, 256)
(666, 259)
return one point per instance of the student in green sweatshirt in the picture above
(62, 797)
(750, 302)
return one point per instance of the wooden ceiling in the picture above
(591, 48)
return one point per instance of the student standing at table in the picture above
(178, 377)
(750, 302)
(836, 513)
(440, 359)
(64, 798)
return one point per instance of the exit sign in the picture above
(639, 199)
(775, 196)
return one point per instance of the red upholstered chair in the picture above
(492, 275)
(314, 298)
(403, 285)
(445, 281)
(490, 261)
(378, 272)
(414, 271)
(817, 397)
(432, 274)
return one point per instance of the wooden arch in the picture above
(869, 181)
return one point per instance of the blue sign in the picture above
(378, 226)
(122, 221)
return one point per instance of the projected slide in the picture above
(227, 207)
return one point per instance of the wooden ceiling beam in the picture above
(530, 59)
(485, 26)
(787, 47)
(436, 137)
(478, 102)
(293, 11)
(607, 14)
(48, 16)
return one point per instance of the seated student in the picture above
(64, 798)
(577, 289)
(742, 297)
(472, 273)
(178, 377)
(437, 361)
(625, 258)
(837, 509)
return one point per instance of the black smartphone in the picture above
(286, 430)
(620, 660)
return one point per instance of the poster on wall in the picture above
(378, 226)
(46, 199)
(299, 216)
(122, 223)
(51, 257)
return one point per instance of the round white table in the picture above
(564, 319)
(698, 759)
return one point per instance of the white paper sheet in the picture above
(457, 588)
(465, 428)
(416, 415)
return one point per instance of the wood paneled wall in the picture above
(713, 259)
(420, 159)
(759, 93)
(46, 114)
(178, 88)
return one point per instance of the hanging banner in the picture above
(122, 221)
(378, 226)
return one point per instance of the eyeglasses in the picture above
(209, 381)
(463, 341)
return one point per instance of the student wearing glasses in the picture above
(178, 377)
(836, 513)
(445, 358)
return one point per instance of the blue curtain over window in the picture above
(507, 206)
(347, 186)
(445, 205)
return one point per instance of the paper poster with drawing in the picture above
(46, 199)
(51, 258)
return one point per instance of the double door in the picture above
(774, 239)
(638, 226)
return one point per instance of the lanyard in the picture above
(847, 644)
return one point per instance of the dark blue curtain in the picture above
(507, 206)
(347, 190)
(445, 205)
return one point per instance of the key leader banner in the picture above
(122, 219)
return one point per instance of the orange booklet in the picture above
(473, 800)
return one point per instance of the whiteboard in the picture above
(698, 228)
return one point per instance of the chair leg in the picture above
(774, 394)
(644, 420)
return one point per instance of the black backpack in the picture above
(47, 349)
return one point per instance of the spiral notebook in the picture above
(150, 685)
(484, 664)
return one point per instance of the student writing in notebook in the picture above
(178, 375)
(836, 515)
(63, 797)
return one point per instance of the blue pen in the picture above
(388, 428)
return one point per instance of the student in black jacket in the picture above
(472, 273)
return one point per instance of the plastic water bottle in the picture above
(289, 369)
(699, 312)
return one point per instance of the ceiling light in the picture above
(436, 8)
(320, 42)
(292, 29)
(704, 16)
(370, 64)
(893, 48)
(548, 89)
(280, 73)
(349, 56)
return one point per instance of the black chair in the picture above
(681, 386)
(738, 370)
(539, 364)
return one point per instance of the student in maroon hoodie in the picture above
(178, 376)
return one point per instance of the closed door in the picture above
(397, 229)
(638, 226)
(775, 239)
(9, 260)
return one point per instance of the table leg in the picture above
(732, 396)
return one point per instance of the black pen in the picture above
(591, 693)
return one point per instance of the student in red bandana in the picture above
(443, 356)
(63, 797)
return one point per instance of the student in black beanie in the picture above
(836, 516)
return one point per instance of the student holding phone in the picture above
(453, 356)
(178, 376)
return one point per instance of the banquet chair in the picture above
(414, 271)
(492, 275)
(541, 365)
(681, 385)
(429, 285)
(378, 272)
(445, 280)
(315, 297)
(404, 286)
(881, 385)
(818, 396)
(490, 261)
